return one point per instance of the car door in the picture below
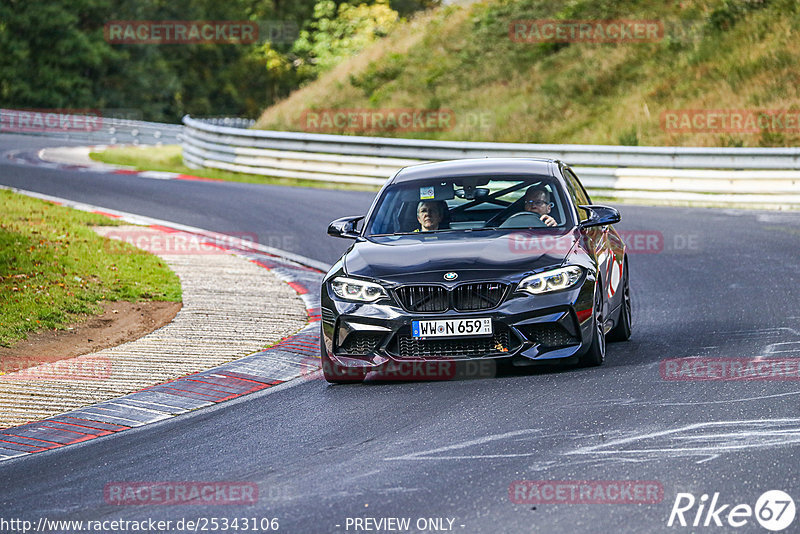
(596, 237)
(609, 249)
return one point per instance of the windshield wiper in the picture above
(389, 235)
(444, 230)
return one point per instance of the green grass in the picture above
(55, 270)
(169, 158)
(715, 54)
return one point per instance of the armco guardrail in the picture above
(756, 177)
(89, 128)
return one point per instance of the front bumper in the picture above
(527, 329)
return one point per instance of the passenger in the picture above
(430, 214)
(537, 200)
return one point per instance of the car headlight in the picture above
(554, 280)
(358, 290)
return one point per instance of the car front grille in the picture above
(465, 297)
(548, 335)
(480, 296)
(423, 298)
(405, 346)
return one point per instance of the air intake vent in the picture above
(405, 346)
(361, 343)
(328, 316)
(548, 335)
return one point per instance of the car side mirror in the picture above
(345, 227)
(599, 216)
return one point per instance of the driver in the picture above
(537, 200)
(429, 215)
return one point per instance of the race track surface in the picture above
(710, 284)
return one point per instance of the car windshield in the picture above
(461, 204)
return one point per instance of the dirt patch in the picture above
(120, 322)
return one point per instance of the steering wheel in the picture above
(500, 216)
(523, 219)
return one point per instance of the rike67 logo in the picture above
(774, 510)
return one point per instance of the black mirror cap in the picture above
(345, 227)
(600, 216)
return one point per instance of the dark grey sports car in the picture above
(480, 259)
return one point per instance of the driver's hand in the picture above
(549, 221)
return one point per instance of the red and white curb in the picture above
(77, 159)
(293, 357)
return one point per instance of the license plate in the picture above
(452, 328)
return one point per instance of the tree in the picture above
(336, 32)
(52, 53)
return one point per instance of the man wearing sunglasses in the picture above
(537, 200)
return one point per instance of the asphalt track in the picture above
(721, 284)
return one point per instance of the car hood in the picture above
(419, 258)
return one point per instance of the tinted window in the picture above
(580, 192)
(576, 191)
(462, 203)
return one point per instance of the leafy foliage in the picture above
(339, 31)
(53, 55)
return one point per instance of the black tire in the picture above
(335, 373)
(622, 330)
(596, 354)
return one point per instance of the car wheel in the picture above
(335, 373)
(597, 350)
(622, 330)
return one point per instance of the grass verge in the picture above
(55, 270)
(710, 55)
(169, 158)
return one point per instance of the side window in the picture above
(576, 191)
(579, 190)
(571, 188)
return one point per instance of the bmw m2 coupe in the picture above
(478, 259)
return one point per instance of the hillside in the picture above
(709, 55)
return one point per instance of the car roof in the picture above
(477, 166)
